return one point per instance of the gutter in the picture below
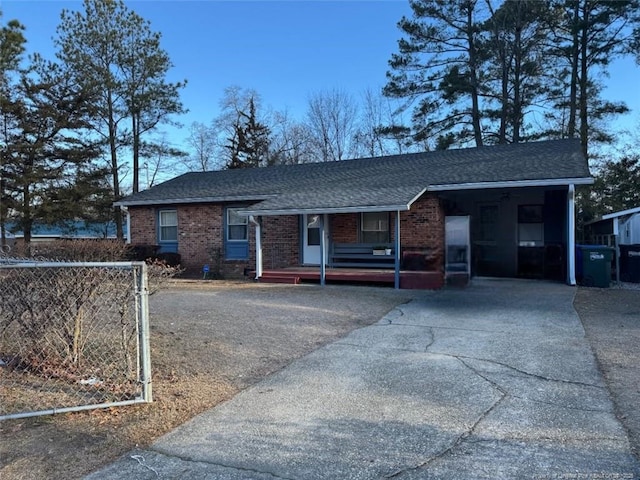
(512, 184)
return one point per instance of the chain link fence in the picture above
(73, 336)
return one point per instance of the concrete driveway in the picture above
(489, 382)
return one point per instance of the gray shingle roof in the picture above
(391, 181)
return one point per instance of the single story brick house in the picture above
(504, 210)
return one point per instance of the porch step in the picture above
(271, 278)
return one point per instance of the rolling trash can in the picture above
(596, 265)
(630, 263)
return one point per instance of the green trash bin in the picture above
(596, 265)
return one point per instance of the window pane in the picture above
(237, 232)
(168, 234)
(168, 218)
(375, 237)
(313, 236)
(234, 218)
(375, 222)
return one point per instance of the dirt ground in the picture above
(611, 319)
(212, 339)
(209, 340)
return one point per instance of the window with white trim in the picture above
(374, 227)
(236, 225)
(168, 226)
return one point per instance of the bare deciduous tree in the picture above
(202, 144)
(332, 118)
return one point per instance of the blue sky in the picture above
(285, 50)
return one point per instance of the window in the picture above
(236, 245)
(374, 227)
(530, 226)
(236, 226)
(168, 220)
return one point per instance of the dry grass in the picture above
(71, 445)
(208, 341)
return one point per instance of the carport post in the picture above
(571, 235)
(397, 272)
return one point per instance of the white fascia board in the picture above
(411, 202)
(551, 182)
(622, 213)
(320, 210)
(176, 201)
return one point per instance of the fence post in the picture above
(145, 344)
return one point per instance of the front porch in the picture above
(427, 280)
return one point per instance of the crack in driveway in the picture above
(215, 464)
(460, 439)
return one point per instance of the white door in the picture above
(311, 239)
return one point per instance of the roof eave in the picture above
(321, 210)
(175, 201)
(550, 182)
(621, 213)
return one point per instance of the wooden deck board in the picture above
(408, 279)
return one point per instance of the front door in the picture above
(311, 239)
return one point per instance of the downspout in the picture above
(571, 235)
(128, 217)
(397, 242)
(256, 222)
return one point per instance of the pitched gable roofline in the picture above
(373, 183)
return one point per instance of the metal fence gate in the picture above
(73, 336)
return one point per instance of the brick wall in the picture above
(344, 228)
(280, 241)
(201, 241)
(201, 238)
(200, 235)
(423, 227)
(143, 225)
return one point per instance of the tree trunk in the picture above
(27, 221)
(473, 80)
(575, 54)
(584, 80)
(136, 152)
(517, 72)
(117, 213)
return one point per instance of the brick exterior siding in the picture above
(201, 235)
(422, 227)
(344, 227)
(201, 238)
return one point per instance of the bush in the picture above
(80, 250)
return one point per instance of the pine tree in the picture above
(438, 69)
(116, 55)
(588, 36)
(47, 145)
(12, 46)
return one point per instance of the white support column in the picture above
(256, 222)
(571, 235)
(322, 251)
(397, 265)
(616, 245)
